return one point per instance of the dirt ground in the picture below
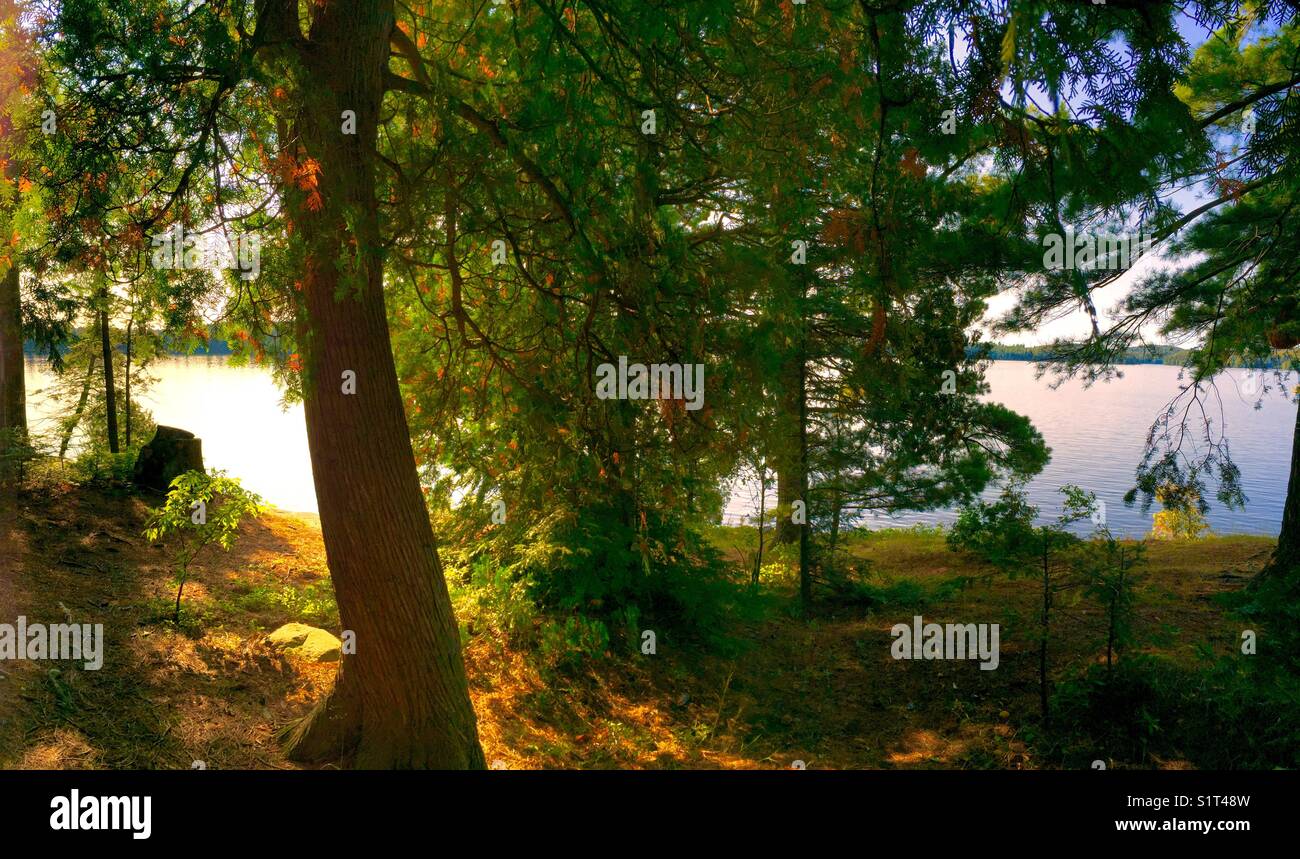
(823, 690)
(11, 551)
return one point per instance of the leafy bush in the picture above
(96, 464)
(487, 596)
(1112, 714)
(1230, 715)
(1182, 517)
(313, 603)
(852, 588)
(593, 565)
(1273, 601)
(203, 509)
(17, 449)
(563, 643)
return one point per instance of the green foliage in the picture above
(312, 603)
(1226, 714)
(486, 597)
(1145, 354)
(1233, 131)
(492, 600)
(571, 641)
(1273, 602)
(856, 371)
(190, 620)
(78, 405)
(1003, 534)
(96, 464)
(1108, 569)
(894, 594)
(910, 532)
(201, 510)
(1182, 517)
(594, 563)
(17, 450)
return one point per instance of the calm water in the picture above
(235, 411)
(1096, 436)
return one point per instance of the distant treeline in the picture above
(1134, 355)
(214, 347)
(998, 352)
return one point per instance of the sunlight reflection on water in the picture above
(1096, 436)
(235, 411)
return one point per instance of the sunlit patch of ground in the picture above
(58, 749)
(823, 690)
(12, 675)
(209, 692)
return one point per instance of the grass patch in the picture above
(312, 603)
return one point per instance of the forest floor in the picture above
(822, 689)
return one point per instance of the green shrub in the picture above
(665, 575)
(1230, 714)
(312, 603)
(97, 465)
(17, 450)
(571, 641)
(202, 509)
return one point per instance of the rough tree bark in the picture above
(17, 72)
(126, 382)
(805, 574)
(110, 391)
(1286, 557)
(71, 425)
(401, 700)
(788, 478)
(762, 516)
(13, 391)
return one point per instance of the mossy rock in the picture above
(306, 642)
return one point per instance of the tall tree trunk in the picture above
(787, 458)
(787, 492)
(762, 515)
(126, 380)
(401, 699)
(837, 508)
(788, 479)
(13, 386)
(1042, 642)
(71, 426)
(110, 392)
(805, 574)
(18, 67)
(1286, 557)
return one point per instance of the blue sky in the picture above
(1076, 324)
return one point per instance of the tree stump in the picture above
(170, 453)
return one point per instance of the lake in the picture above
(1096, 436)
(236, 411)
